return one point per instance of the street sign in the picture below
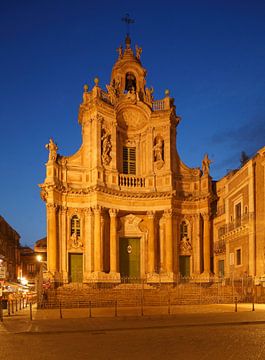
(2, 272)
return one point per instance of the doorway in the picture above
(129, 258)
(184, 266)
(76, 268)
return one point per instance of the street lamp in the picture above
(39, 279)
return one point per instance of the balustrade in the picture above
(131, 181)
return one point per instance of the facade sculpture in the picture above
(125, 205)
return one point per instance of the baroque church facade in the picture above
(126, 206)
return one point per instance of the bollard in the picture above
(168, 309)
(90, 309)
(235, 304)
(16, 304)
(12, 306)
(19, 304)
(8, 308)
(253, 304)
(116, 308)
(30, 311)
(61, 313)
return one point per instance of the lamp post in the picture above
(39, 280)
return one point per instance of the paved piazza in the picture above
(200, 335)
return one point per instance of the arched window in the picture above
(183, 230)
(75, 225)
(130, 82)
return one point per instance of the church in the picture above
(125, 206)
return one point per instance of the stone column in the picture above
(197, 244)
(63, 242)
(168, 242)
(97, 240)
(206, 243)
(52, 238)
(151, 242)
(113, 240)
(88, 242)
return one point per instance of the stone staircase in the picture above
(129, 295)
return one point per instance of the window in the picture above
(238, 257)
(129, 160)
(75, 225)
(183, 230)
(238, 214)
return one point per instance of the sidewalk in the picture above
(103, 319)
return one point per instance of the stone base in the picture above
(102, 277)
(205, 277)
(153, 278)
(167, 277)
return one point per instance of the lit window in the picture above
(129, 160)
(75, 225)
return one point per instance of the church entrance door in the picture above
(184, 266)
(76, 267)
(130, 258)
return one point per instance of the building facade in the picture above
(125, 205)
(9, 252)
(239, 221)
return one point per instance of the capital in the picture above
(168, 213)
(151, 215)
(113, 213)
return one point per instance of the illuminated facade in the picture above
(125, 205)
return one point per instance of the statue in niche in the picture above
(158, 150)
(206, 165)
(52, 147)
(105, 147)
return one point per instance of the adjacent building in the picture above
(9, 252)
(125, 205)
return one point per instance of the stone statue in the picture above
(138, 52)
(206, 165)
(185, 245)
(119, 50)
(158, 150)
(76, 242)
(52, 147)
(105, 148)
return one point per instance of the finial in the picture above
(96, 81)
(128, 42)
(151, 90)
(167, 92)
(85, 88)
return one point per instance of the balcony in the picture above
(219, 247)
(131, 181)
(237, 224)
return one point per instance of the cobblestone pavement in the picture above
(204, 332)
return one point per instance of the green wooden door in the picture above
(76, 267)
(130, 258)
(184, 266)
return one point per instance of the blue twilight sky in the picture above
(210, 54)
